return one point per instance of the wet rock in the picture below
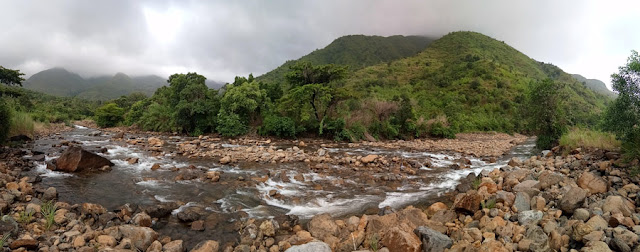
(188, 215)
(572, 199)
(397, 239)
(50, 194)
(132, 160)
(322, 226)
(119, 135)
(529, 217)
(173, 246)
(197, 225)
(214, 176)
(89, 208)
(94, 133)
(465, 183)
(160, 210)
(142, 219)
(206, 246)
(76, 159)
(433, 240)
(310, 247)
(592, 183)
(142, 237)
(155, 166)
(467, 202)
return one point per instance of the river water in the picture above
(301, 191)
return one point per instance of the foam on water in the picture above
(79, 127)
(326, 205)
(183, 207)
(399, 199)
(163, 199)
(44, 172)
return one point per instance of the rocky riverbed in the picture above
(170, 193)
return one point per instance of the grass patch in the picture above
(48, 210)
(589, 139)
(21, 124)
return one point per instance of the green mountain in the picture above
(60, 82)
(56, 81)
(472, 80)
(596, 85)
(357, 52)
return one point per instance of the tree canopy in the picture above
(11, 77)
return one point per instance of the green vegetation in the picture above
(488, 204)
(623, 115)
(21, 124)
(48, 210)
(4, 239)
(5, 118)
(109, 115)
(596, 85)
(589, 139)
(545, 113)
(356, 52)
(25, 217)
(10, 77)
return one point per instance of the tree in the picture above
(623, 115)
(546, 113)
(109, 115)
(10, 77)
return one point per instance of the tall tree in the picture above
(11, 77)
(546, 115)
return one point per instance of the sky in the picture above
(224, 39)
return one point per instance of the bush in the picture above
(441, 131)
(109, 115)
(136, 111)
(157, 118)
(230, 124)
(5, 120)
(21, 124)
(278, 126)
(585, 138)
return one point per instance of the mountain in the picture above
(357, 52)
(596, 85)
(474, 81)
(60, 82)
(56, 81)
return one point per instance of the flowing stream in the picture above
(301, 191)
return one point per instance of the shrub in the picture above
(157, 118)
(441, 131)
(5, 119)
(278, 126)
(230, 124)
(109, 115)
(136, 111)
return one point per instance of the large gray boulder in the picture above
(572, 199)
(432, 240)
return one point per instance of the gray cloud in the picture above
(221, 39)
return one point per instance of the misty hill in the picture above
(477, 82)
(60, 82)
(595, 85)
(356, 51)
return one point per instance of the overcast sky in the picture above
(222, 39)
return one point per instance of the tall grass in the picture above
(590, 139)
(21, 124)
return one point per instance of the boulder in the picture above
(615, 204)
(322, 226)
(572, 199)
(515, 162)
(529, 217)
(173, 246)
(548, 179)
(593, 183)
(142, 237)
(142, 219)
(522, 202)
(435, 207)
(76, 159)
(155, 142)
(399, 240)
(29, 244)
(433, 240)
(467, 202)
(310, 247)
(528, 186)
(206, 246)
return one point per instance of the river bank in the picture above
(403, 174)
